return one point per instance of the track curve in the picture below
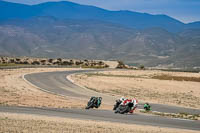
(56, 82)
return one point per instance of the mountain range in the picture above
(69, 10)
(70, 30)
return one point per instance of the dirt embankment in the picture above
(177, 88)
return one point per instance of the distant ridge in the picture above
(70, 10)
(69, 30)
(92, 39)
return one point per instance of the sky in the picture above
(183, 10)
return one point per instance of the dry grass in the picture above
(176, 78)
(160, 77)
(33, 123)
(15, 91)
(9, 64)
(140, 84)
(174, 115)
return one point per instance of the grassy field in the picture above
(160, 77)
(10, 64)
(176, 78)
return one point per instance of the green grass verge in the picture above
(10, 64)
(111, 75)
(176, 78)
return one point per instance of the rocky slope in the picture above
(55, 38)
(69, 30)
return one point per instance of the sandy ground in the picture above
(15, 91)
(139, 84)
(33, 123)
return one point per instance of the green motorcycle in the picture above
(147, 107)
(94, 102)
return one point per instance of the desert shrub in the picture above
(141, 67)
(50, 60)
(59, 59)
(35, 63)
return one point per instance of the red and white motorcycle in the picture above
(125, 105)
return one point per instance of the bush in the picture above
(142, 67)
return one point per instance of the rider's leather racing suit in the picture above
(134, 101)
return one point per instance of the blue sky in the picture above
(183, 10)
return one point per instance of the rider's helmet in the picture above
(134, 101)
(99, 101)
(100, 98)
(122, 99)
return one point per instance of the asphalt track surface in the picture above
(57, 83)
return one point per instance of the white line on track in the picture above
(64, 96)
(183, 119)
(71, 80)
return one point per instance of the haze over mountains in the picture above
(65, 29)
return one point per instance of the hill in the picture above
(87, 39)
(70, 30)
(69, 10)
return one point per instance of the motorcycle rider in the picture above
(132, 102)
(147, 107)
(97, 101)
(135, 103)
(122, 99)
(94, 102)
(119, 102)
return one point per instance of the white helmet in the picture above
(122, 99)
(134, 101)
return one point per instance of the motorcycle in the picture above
(122, 109)
(147, 107)
(118, 102)
(94, 102)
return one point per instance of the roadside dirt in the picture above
(142, 85)
(33, 123)
(15, 91)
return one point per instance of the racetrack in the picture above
(105, 115)
(56, 82)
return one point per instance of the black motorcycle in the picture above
(122, 109)
(94, 102)
(118, 102)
